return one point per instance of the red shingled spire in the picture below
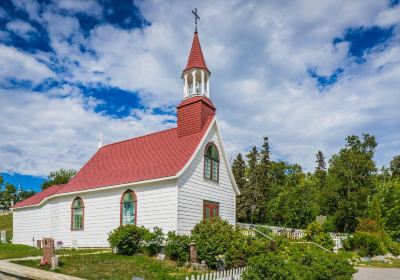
(196, 58)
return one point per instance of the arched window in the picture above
(211, 162)
(128, 208)
(77, 214)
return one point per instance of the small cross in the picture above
(196, 17)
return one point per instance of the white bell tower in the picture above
(196, 76)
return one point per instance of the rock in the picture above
(398, 257)
(365, 259)
(378, 258)
(389, 256)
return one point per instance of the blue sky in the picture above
(297, 72)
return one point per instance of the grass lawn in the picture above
(10, 251)
(6, 224)
(117, 267)
(14, 251)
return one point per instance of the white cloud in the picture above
(21, 66)
(41, 133)
(21, 28)
(89, 7)
(258, 53)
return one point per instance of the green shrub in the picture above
(329, 225)
(153, 241)
(128, 239)
(177, 247)
(313, 229)
(298, 263)
(365, 243)
(368, 225)
(213, 238)
(270, 266)
(315, 233)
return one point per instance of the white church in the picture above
(171, 179)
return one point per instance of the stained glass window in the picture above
(211, 162)
(77, 214)
(128, 208)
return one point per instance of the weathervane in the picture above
(196, 17)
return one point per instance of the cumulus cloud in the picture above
(21, 28)
(259, 53)
(41, 133)
(16, 65)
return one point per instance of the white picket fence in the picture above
(232, 274)
(290, 233)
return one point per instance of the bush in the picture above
(365, 243)
(368, 225)
(314, 233)
(153, 241)
(213, 238)
(128, 239)
(299, 263)
(177, 247)
(269, 266)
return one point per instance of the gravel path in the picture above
(374, 273)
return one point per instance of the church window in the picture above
(77, 214)
(211, 162)
(128, 208)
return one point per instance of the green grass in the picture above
(109, 266)
(11, 251)
(15, 251)
(6, 223)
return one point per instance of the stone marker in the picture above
(75, 244)
(160, 257)
(321, 219)
(193, 253)
(54, 262)
(3, 238)
(137, 278)
(48, 250)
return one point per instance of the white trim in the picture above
(101, 189)
(233, 181)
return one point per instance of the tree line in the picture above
(347, 188)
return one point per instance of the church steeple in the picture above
(196, 107)
(196, 75)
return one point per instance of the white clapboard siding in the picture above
(194, 189)
(156, 206)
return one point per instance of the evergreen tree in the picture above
(252, 204)
(321, 165)
(239, 172)
(264, 185)
(395, 166)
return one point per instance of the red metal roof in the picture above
(196, 58)
(37, 198)
(153, 156)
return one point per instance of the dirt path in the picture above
(375, 273)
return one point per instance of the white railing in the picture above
(232, 274)
(291, 233)
(197, 91)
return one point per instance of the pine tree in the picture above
(239, 172)
(321, 165)
(254, 196)
(264, 186)
(395, 166)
